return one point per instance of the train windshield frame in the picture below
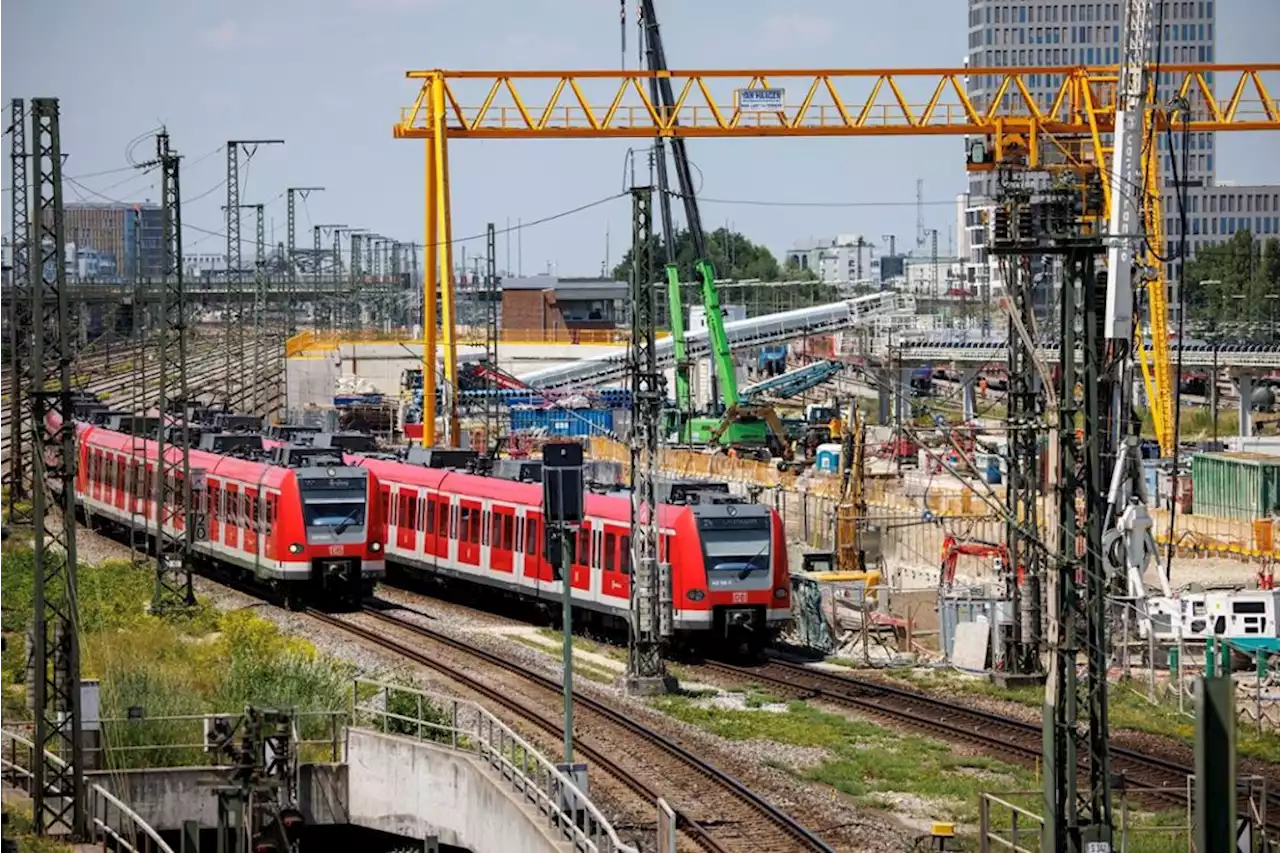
(334, 512)
(735, 544)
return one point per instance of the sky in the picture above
(327, 76)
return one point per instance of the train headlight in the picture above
(780, 592)
(695, 595)
(295, 548)
(375, 547)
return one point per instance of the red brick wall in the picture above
(530, 309)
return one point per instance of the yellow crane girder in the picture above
(1069, 131)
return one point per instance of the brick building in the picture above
(548, 303)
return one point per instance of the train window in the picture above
(272, 508)
(584, 546)
(423, 503)
(610, 557)
(384, 501)
(531, 536)
(464, 527)
(411, 514)
(624, 554)
(508, 532)
(431, 515)
(475, 526)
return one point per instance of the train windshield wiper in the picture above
(341, 526)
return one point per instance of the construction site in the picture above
(350, 541)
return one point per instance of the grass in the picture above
(883, 769)
(20, 827)
(868, 762)
(1129, 709)
(587, 670)
(583, 644)
(197, 663)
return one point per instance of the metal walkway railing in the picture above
(111, 821)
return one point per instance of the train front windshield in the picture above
(334, 514)
(735, 544)
(335, 504)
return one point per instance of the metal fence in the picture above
(464, 725)
(179, 741)
(111, 822)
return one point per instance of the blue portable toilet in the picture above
(993, 469)
(827, 458)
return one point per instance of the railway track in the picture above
(714, 810)
(994, 734)
(206, 375)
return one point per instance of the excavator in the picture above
(744, 428)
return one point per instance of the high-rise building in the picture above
(108, 228)
(1004, 33)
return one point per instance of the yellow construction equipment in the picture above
(1068, 134)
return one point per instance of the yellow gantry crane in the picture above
(1071, 132)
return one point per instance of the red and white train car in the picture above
(728, 561)
(309, 532)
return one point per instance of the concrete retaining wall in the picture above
(417, 789)
(165, 798)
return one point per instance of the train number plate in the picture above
(739, 598)
(335, 550)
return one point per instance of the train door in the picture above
(269, 547)
(581, 567)
(502, 539)
(534, 566)
(406, 511)
(249, 539)
(384, 503)
(470, 521)
(122, 493)
(614, 582)
(231, 520)
(95, 474)
(446, 527)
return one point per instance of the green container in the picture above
(1245, 486)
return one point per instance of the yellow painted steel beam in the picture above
(848, 102)
(1068, 131)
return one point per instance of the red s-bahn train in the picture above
(729, 577)
(311, 533)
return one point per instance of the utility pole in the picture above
(138, 521)
(259, 305)
(175, 523)
(234, 341)
(1077, 608)
(322, 299)
(492, 412)
(650, 607)
(20, 320)
(57, 787)
(294, 193)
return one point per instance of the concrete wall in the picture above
(166, 797)
(417, 789)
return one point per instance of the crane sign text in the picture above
(761, 100)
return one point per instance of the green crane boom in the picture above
(716, 336)
(684, 402)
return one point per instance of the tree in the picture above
(732, 255)
(1235, 286)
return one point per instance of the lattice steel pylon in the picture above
(175, 524)
(1077, 610)
(259, 307)
(492, 412)
(291, 319)
(57, 788)
(19, 482)
(233, 358)
(138, 521)
(650, 609)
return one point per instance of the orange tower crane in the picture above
(1069, 132)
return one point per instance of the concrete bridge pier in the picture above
(969, 389)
